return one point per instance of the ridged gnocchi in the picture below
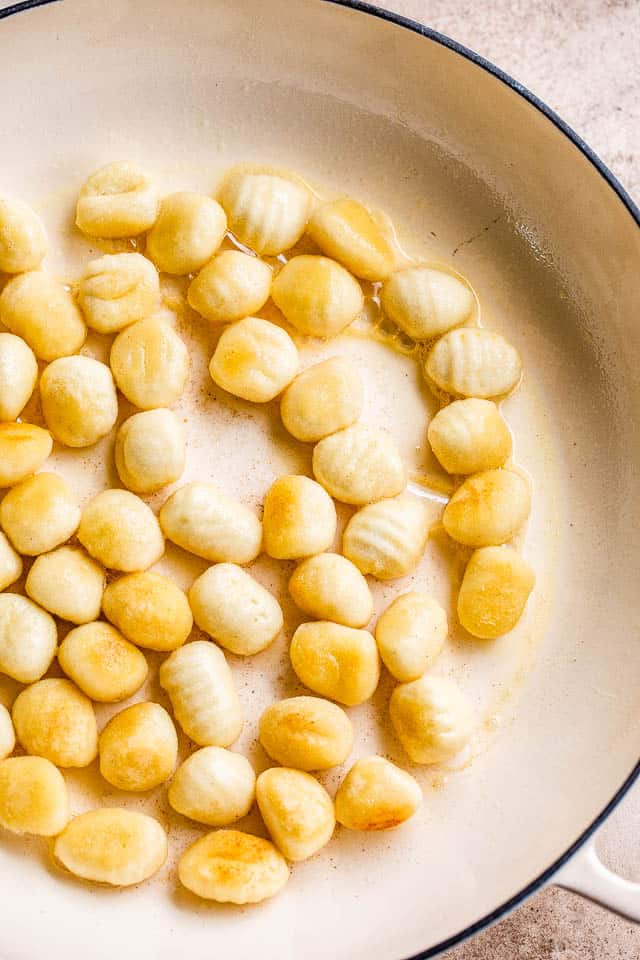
(39, 514)
(23, 449)
(346, 231)
(213, 786)
(117, 290)
(23, 241)
(205, 521)
(10, 563)
(306, 733)
(118, 200)
(330, 587)
(254, 359)
(323, 399)
(432, 718)
(42, 311)
(201, 689)
(266, 211)
(387, 539)
(150, 363)
(7, 733)
(488, 508)
(337, 662)
(317, 296)
(150, 450)
(53, 719)
(101, 663)
(149, 610)
(494, 591)
(233, 867)
(473, 362)
(359, 465)
(469, 436)
(67, 583)
(299, 518)
(79, 401)
(410, 635)
(376, 795)
(426, 302)
(235, 610)
(189, 229)
(18, 375)
(232, 286)
(138, 748)
(297, 811)
(120, 531)
(28, 638)
(33, 797)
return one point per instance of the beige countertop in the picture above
(581, 57)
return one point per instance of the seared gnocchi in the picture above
(79, 400)
(53, 719)
(346, 231)
(299, 518)
(42, 311)
(105, 666)
(189, 229)
(7, 733)
(387, 539)
(118, 200)
(149, 610)
(297, 811)
(10, 563)
(149, 450)
(376, 795)
(33, 797)
(411, 634)
(117, 290)
(494, 591)
(23, 449)
(231, 286)
(254, 359)
(426, 302)
(266, 211)
(150, 363)
(432, 718)
(323, 399)
(18, 375)
(121, 531)
(469, 436)
(488, 508)
(359, 465)
(330, 587)
(205, 521)
(23, 241)
(473, 362)
(317, 296)
(233, 867)
(28, 638)
(335, 661)
(39, 514)
(138, 748)
(306, 733)
(213, 786)
(67, 583)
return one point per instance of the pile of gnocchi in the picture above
(88, 569)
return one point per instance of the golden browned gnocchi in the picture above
(488, 508)
(330, 587)
(324, 398)
(233, 867)
(120, 531)
(79, 400)
(138, 748)
(254, 359)
(469, 436)
(494, 591)
(346, 231)
(33, 797)
(189, 229)
(235, 610)
(23, 241)
(426, 302)
(432, 718)
(232, 286)
(149, 450)
(150, 363)
(39, 514)
(42, 311)
(102, 663)
(376, 795)
(473, 362)
(68, 583)
(53, 719)
(299, 518)
(18, 375)
(23, 449)
(317, 296)
(266, 211)
(201, 689)
(213, 786)
(28, 638)
(205, 521)
(306, 733)
(117, 290)
(149, 609)
(387, 539)
(297, 811)
(359, 465)
(410, 635)
(10, 563)
(119, 847)
(118, 200)
(7, 733)
(336, 661)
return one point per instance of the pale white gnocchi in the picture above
(426, 302)
(118, 200)
(150, 450)
(266, 211)
(232, 286)
(235, 610)
(105, 666)
(317, 296)
(469, 436)
(28, 638)
(138, 748)
(117, 290)
(53, 719)
(42, 311)
(359, 465)
(23, 241)
(376, 795)
(473, 362)
(323, 399)
(337, 662)
(233, 867)
(7, 733)
(488, 508)
(297, 811)
(189, 229)
(201, 689)
(18, 375)
(33, 797)
(494, 591)
(432, 718)
(149, 610)
(330, 587)
(387, 539)
(10, 563)
(67, 583)
(39, 514)
(120, 531)
(254, 359)
(411, 634)
(299, 518)
(79, 401)
(150, 363)
(306, 733)
(205, 521)
(346, 231)
(213, 786)
(23, 449)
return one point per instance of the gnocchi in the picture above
(201, 689)
(335, 661)
(67, 583)
(330, 587)
(317, 296)
(53, 719)
(488, 508)
(150, 363)
(149, 610)
(254, 359)
(232, 867)
(297, 811)
(138, 748)
(266, 211)
(470, 436)
(359, 465)
(42, 311)
(39, 514)
(299, 518)
(23, 241)
(18, 375)
(432, 718)
(28, 638)
(494, 591)
(23, 449)
(205, 521)
(387, 539)
(323, 399)
(79, 400)
(10, 563)
(346, 231)
(7, 733)
(426, 302)
(473, 362)
(189, 229)
(114, 846)
(121, 531)
(105, 666)
(306, 733)
(118, 200)
(376, 795)
(232, 286)
(149, 450)
(33, 797)
(213, 786)
(117, 290)
(235, 610)
(411, 634)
